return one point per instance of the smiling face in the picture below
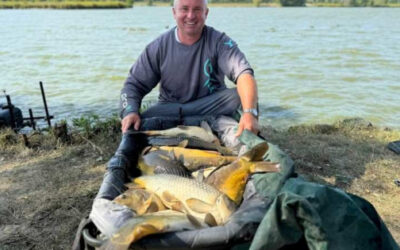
(190, 16)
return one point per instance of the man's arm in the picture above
(247, 90)
(143, 77)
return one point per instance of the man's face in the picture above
(190, 16)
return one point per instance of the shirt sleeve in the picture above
(231, 60)
(143, 77)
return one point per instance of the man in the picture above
(190, 62)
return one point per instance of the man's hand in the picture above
(249, 122)
(129, 120)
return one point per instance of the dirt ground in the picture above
(49, 186)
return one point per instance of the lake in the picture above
(312, 65)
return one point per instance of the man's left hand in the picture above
(249, 122)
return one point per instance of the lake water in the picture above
(312, 65)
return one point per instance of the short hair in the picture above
(176, 2)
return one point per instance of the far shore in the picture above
(15, 4)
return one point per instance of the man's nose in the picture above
(190, 14)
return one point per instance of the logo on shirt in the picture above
(208, 69)
(229, 43)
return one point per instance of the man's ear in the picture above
(173, 12)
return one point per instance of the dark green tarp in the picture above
(306, 215)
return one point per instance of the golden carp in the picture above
(140, 201)
(231, 179)
(159, 222)
(160, 162)
(188, 131)
(190, 196)
(194, 159)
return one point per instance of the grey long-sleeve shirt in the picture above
(185, 73)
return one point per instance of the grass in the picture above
(49, 186)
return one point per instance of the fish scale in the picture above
(181, 186)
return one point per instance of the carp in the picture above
(159, 222)
(194, 159)
(231, 179)
(187, 142)
(190, 196)
(140, 201)
(187, 131)
(160, 162)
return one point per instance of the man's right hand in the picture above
(129, 120)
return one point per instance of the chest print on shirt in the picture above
(208, 69)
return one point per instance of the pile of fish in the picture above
(189, 181)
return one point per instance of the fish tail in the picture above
(264, 167)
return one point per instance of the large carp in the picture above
(187, 142)
(194, 159)
(159, 222)
(231, 179)
(190, 196)
(187, 131)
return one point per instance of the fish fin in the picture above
(183, 144)
(171, 155)
(207, 128)
(198, 206)
(195, 222)
(200, 175)
(210, 220)
(150, 206)
(143, 230)
(144, 208)
(256, 153)
(264, 167)
(172, 202)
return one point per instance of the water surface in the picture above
(312, 65)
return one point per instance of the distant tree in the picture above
(297, 3)
(129, 3)
(257, 3)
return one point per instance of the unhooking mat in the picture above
(286, 212)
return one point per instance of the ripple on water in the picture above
(306, 60)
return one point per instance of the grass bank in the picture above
(48, 182)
